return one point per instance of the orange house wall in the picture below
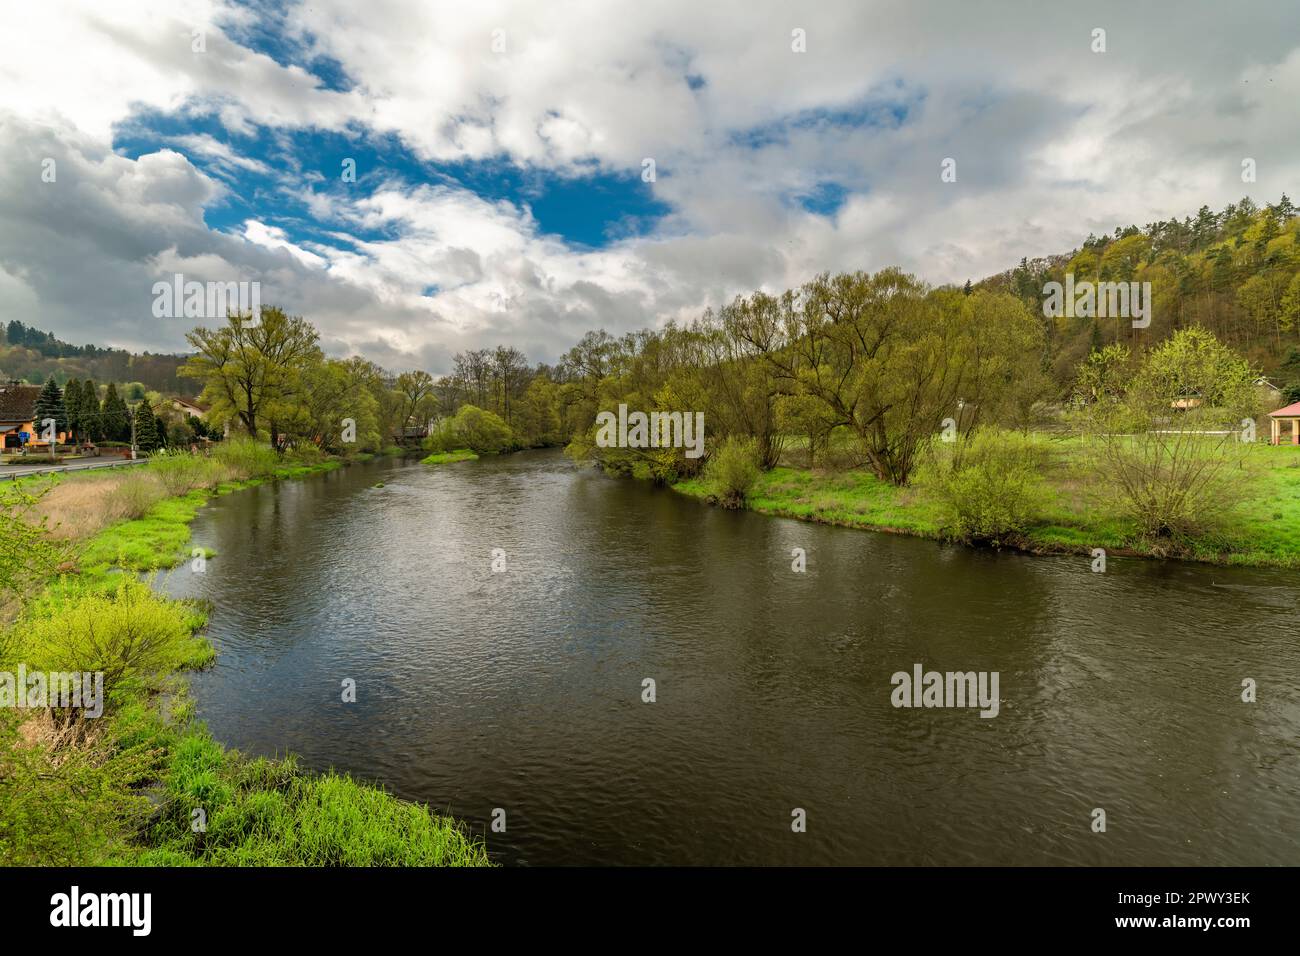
(30, 428)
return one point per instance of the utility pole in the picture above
(133, 431)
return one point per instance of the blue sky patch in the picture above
(824, 199)
(271, 33)
(590, 210)
(887, 110)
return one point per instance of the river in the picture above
(522, 689)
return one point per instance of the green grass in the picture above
(302, 471)
(447, 457)
(159, 538)
(259, 812)
(146, 544)
(130, 799)
(1262, 530)
(853, 499)
(122, 790)
(1265, 528)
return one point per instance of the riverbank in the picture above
(145, 784)
(1262, 530)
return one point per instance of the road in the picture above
(9, 472)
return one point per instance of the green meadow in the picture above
(1075, 514)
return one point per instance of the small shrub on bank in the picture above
(308, 454)
(131, 635)
(1174, 485)
(246, 458)
(134, 494)
(988, 484)
(182, 472)
(732, 471)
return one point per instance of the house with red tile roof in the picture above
(17, 411)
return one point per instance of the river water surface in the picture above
(523, 689)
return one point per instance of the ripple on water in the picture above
(523, 690)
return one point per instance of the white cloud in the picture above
(1051, 140)
(224, 158)
(273, 237)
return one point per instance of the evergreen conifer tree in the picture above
(116, 418)
(49, 404)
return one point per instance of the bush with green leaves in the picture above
(124, 631)
(1173, 485)
(1170, 443)
(246, 457)
(732, 471)
(73, 804)
(988, 484)
(27, 552)
(474, 428)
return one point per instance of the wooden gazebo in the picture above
(1291, 414)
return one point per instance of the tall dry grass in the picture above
(78, 505)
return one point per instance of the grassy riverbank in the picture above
(1075, 516)
(447, 457)
(145, 784)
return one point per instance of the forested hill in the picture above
(32, 355)
(1235, 272)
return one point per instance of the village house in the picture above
(1187, 399)
(1270, 396)
(18, 414)
(186, 407)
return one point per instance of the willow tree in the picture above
(891, 360)
(253, 370)
(336, 392)
(414, 390)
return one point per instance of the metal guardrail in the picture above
(59, 469)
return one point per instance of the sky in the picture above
(527, 172)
